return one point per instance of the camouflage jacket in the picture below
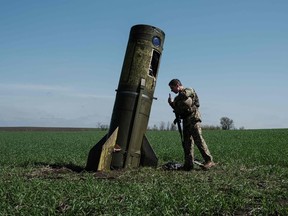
(186, 105)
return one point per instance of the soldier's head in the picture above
(175, 85)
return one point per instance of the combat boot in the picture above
(208, 164)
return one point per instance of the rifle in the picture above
(178, 122)
(177, 119)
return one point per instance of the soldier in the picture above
(186, 107)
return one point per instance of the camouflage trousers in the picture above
(192, 134)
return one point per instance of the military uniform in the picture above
(186, 107)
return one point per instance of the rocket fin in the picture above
(94, 155)
(108, 148)
(100, 155)
(148, 156)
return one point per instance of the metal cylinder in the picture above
(135, 93)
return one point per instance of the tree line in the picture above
(225, 124)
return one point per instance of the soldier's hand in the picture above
(177, 120)
(169, 99)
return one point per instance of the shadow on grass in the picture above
(55, 166)
(63, 170)
(72, 167)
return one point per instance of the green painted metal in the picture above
(134, 96)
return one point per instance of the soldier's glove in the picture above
(177, 120)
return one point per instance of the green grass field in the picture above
(41, 173)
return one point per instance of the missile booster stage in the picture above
(125, 145)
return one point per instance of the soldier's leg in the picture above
(188, 146)
(200, 142)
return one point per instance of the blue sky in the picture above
(60, 60)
